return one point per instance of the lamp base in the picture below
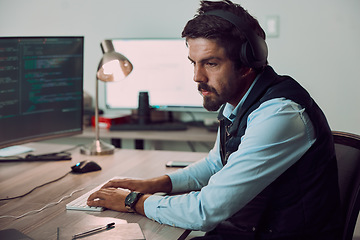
(98, 147)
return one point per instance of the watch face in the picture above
(130, 199)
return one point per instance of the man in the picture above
(272, 173)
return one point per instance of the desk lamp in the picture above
(112, 67)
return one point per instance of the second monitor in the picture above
(161, 68)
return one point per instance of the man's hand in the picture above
(111, 198)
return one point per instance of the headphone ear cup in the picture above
(254, 51)
(246, 55)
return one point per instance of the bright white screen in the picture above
(162, 68)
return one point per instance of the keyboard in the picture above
(80, 203)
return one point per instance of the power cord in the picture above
(46, 206)
(42, 185)
(20, 196)
(43, 208)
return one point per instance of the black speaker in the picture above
(254, 51)
(144, 108)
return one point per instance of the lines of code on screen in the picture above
(41, 85)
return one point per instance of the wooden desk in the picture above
(192, 134)
(18, 178)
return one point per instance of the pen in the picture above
(95, 230)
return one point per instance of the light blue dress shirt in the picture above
(278, 133)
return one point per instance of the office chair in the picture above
(347, 148)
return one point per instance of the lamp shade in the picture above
(113, 65)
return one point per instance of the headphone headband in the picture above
(254, 52)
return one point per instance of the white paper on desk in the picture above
(14, 150)
(127, 231)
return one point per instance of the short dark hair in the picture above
(223, 32)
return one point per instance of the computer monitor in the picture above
(161, 68)
(41, 88)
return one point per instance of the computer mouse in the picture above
(85, 167)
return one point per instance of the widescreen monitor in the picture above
(161, 68)
(41, 88)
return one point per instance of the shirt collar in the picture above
(230, 111)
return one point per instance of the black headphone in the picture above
(254, 51)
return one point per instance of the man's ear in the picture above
(245, 71)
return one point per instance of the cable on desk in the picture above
(43, 208)
(20, 196)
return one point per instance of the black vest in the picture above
(303, 202)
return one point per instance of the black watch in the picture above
(131, 200)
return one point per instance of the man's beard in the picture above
(213, 102)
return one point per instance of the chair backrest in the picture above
(347, 148)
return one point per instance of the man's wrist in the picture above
(163, 184)
(140, 205)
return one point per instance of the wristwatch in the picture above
(131, 200)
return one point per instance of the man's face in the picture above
(218, 81)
